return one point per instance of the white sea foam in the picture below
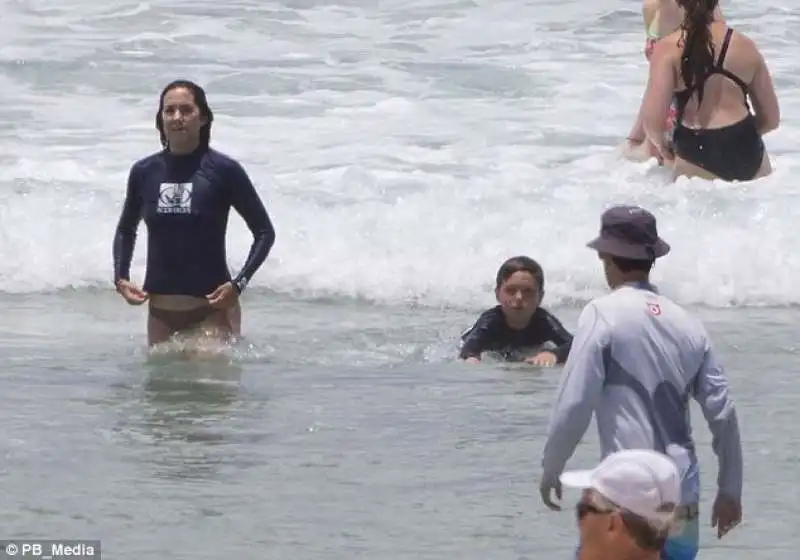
(404, 151)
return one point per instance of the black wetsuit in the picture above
(185, 201)
(733, 152)
(491, 333)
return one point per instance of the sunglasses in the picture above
(585, 508)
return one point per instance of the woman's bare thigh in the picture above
(163, 324)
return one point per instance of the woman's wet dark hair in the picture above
(200, 100)
(697, 58)
(524, 264)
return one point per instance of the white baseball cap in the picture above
(641, 481)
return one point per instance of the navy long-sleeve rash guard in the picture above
(185, 201)
(492, 333)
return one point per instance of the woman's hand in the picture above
(224, 297)
(131, 292)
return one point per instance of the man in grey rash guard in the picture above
(636, 359)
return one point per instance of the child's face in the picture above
(519, 296)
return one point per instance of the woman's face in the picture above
(182, 118)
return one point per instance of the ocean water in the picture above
(404, 150)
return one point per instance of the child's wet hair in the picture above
(520, 264)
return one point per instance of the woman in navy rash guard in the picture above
(184, 194)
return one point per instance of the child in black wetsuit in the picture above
(517, 323)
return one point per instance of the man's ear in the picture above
(615, 523)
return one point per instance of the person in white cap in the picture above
(628, 505)
(635, 362)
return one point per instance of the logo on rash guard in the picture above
(175, 198)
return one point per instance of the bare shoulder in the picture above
(649, 8)
(652, 11)
(742, 38)
(669, 47)
(746, 47)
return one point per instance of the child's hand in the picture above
(545, 359)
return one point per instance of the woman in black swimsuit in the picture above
(712, 72)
